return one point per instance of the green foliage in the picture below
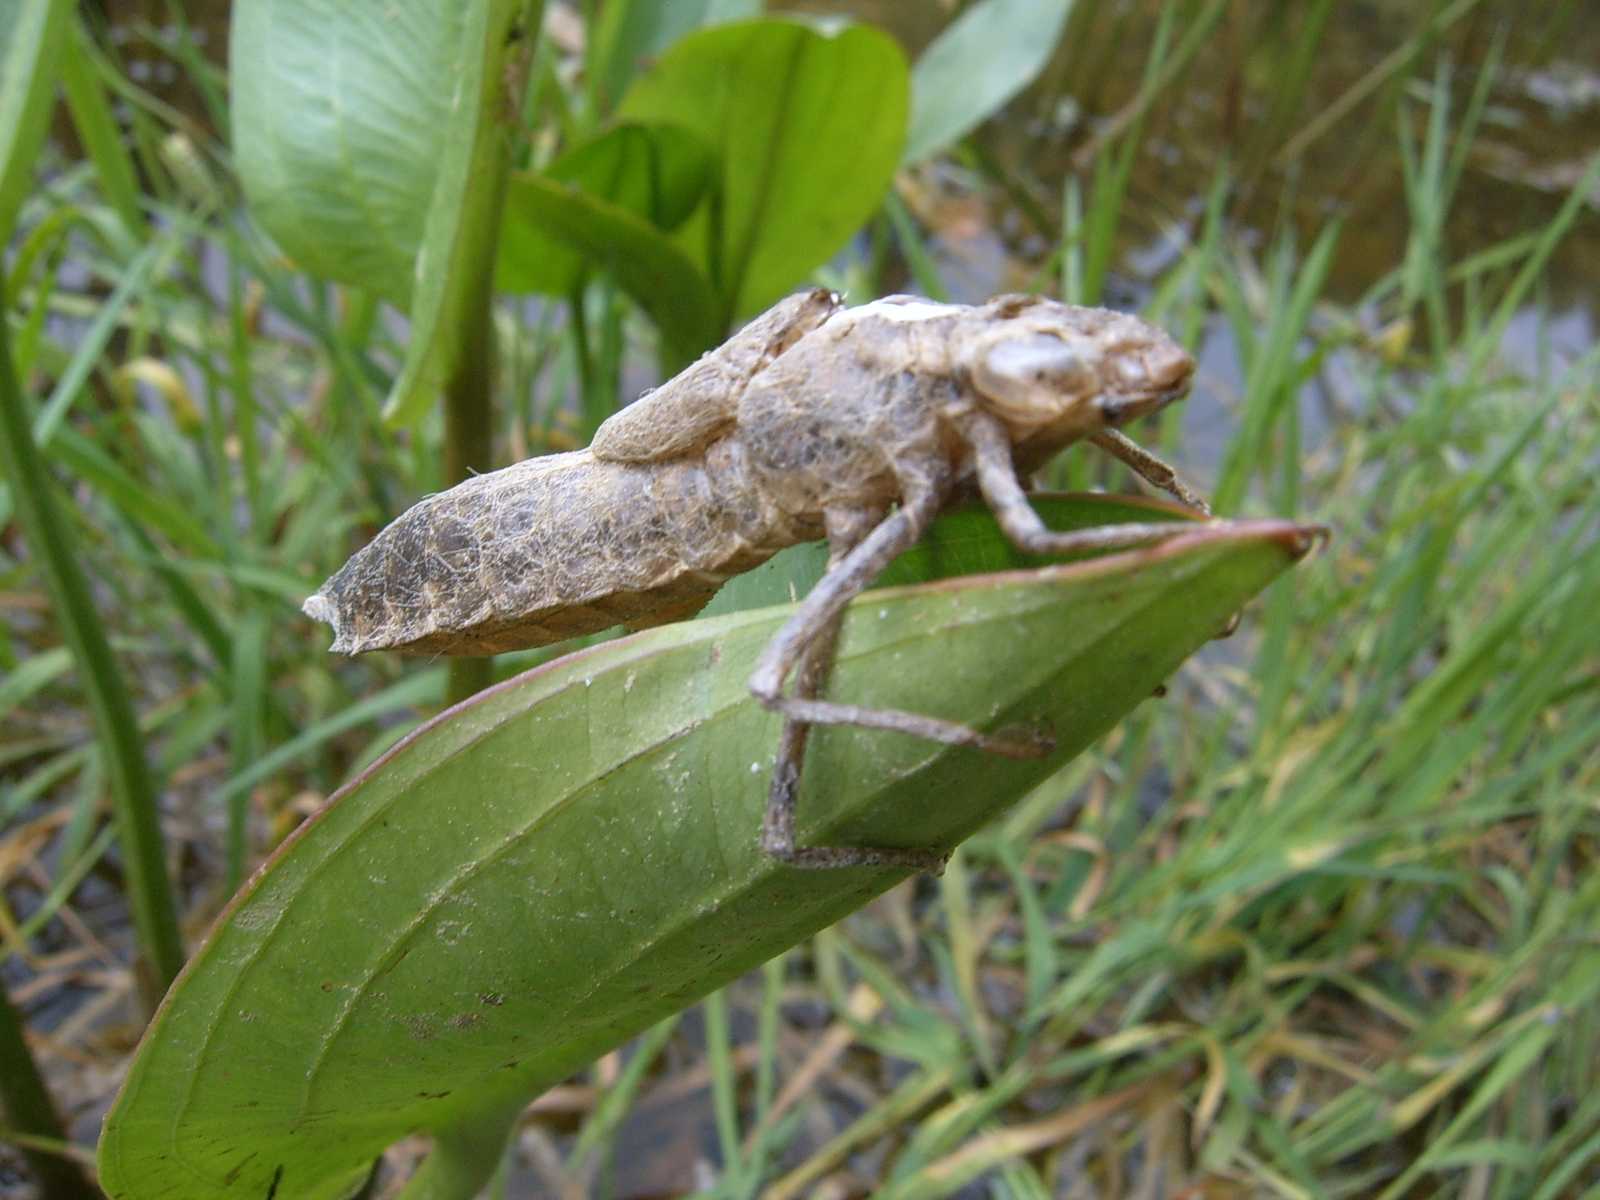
(132, 787)
(1313, 924)
(807, 129)
(372, 146)
(658, 174)
(341, 116)
(83, 75)
(560, 231)
(31, 37)
(455, 261)
(608, 205)
(781, 138)
(988, 54)
(31, 1123)
(629, 33)
(593, 890)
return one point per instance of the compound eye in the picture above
(1035, 362)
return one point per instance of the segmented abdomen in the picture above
(548, 549)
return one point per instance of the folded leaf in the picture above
(556, 864)
(559, 232)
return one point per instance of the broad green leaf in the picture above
(372, 143)
(604, 205)
(986, 56)
(644, 261)
(658, 172)
(560, 862)
(807, 128)
(341, 114)
(32, 33)
(629, 33)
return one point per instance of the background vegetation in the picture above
(1320, 922)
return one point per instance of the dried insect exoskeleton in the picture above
(857, 425)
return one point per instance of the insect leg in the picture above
(804, 647)
(777, 827)
(997, 480)
(846, 529)
(843, 583)
(1149, 468)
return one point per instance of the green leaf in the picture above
(133, 790)
(32, 33)
(658, 172)
(985, 57)
(31, 675)
(559, 231)
(807, 128)
(559, 863)
(341, 115)
(631, 32)
(604, 205)
(372, 144)
(92, 117)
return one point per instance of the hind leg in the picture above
(804, 648)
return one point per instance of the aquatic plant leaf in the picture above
(556, 864)
(340, 115)
(606, 204)
(987, 55)
(629, 33)
(560, 233)
(371, 142)
(807, 128)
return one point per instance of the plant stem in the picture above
(28, 1110)
(468, 442)
(464, 1158)
(133, 790)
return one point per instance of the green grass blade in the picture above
(149, 893)
(132, 283)
(81, 67)
(28, 1111)
(32, 35)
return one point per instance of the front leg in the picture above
(1149, 468)
(997, 480)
